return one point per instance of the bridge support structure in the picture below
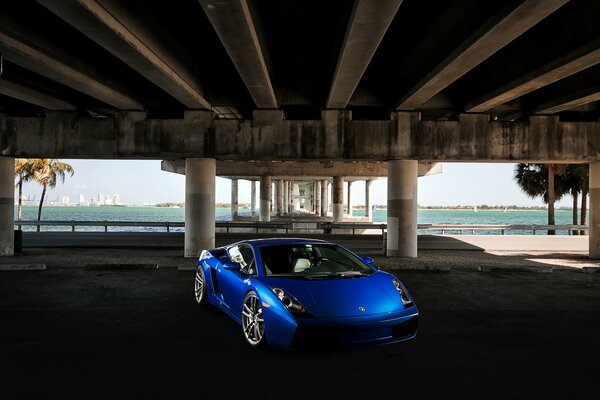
(338, 198)
(265, 198)
(200, 180)
(594, 214)
(402, 208)
(7, 208)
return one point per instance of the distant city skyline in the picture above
(143, 182)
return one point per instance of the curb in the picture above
(117, 267)
(23, 267)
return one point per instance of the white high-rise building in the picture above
(117, 199)
(100, 199)
(81, 200)
(108, 200)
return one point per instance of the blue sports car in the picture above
(294, 293)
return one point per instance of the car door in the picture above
(235, 282)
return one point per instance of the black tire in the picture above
(253, 322)
(200, 286)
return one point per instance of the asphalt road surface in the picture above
(87, 334)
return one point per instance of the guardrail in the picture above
(327, 227)
(256, 225)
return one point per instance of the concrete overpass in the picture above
(389, 81)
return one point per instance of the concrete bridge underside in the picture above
(395, 82)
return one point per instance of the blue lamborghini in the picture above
(294, 293)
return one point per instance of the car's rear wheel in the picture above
(200, 286)
(253, 321)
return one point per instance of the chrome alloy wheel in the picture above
(253, 321)
(199, 286)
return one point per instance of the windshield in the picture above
(311, 261)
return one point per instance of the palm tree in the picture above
(578, 181)
(540, 180)
(24, 174)
(46, 172)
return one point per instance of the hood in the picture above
(343, 297)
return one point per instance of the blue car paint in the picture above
(332, 304)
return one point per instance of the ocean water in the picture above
(224, 214)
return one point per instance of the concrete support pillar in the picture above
(318, 198)
(265, 198)
(291, 203)
(286, 197)
(7, 206)
(402, 208)
(324, 188)
(234, 199)
(253, 198)
(594, 214)
(349, 207)
(368, 212)
(279, 194)
(338, 198)
(200, 176)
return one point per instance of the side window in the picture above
(244, 256)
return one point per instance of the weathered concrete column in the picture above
(7, 206)
(594, 214)
(265, 198)
(279, 195)
(318, 199)
(200, 176)
(368, 212)
(286, 194)
(402, 208)
(253, 198)
(338, 198)
(291, 205)
(234, 199)
(324, 188)
(349, 207)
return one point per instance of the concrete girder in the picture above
(39, 59)
(536, 80)
(32, 96)
(571, 100)
(472, 138)
(493, 35)
(368, 23)
(308, 170)
(239, 31)
(124, 35)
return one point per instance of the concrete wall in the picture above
(335, 137)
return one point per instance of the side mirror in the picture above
(368, 260)
(232, 265)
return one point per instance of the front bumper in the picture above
(308, 332)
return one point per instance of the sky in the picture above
(139, 182)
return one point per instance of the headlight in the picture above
(289, 301)
(406, 301)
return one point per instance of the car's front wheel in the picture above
(200, 286)
(253, 321)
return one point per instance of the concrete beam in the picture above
(125, 35)
(40, 59)
(239, 31)
(571, 100)
(473, 138)
(494, 34)
(368, 23)
(536, 80)
(32, 96)
(307, 169)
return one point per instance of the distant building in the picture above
(65, 201)
(117, 199)
(108, 201)
(81, 200)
